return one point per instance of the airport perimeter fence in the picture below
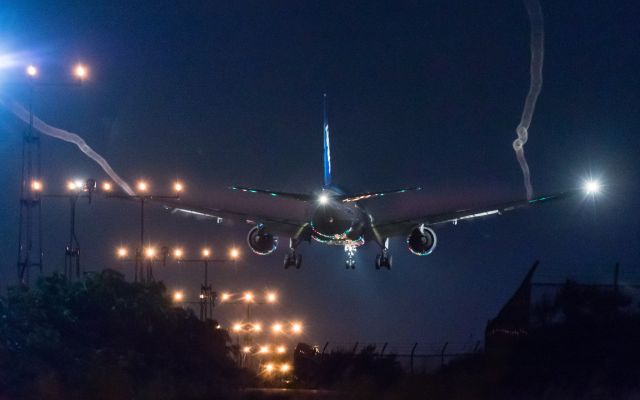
(415, 358)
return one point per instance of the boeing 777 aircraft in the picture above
(339, 219)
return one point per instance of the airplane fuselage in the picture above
(338, 223)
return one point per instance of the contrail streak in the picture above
(537, 57)
(61, 134)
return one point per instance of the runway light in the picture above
(271, 297)
(281, 350)
(296, 328)
(277, 327)
(106, 186)
(285, 367)
(247, 297)
(237, 327)
(150, 252)
(36, 185)
(246, 349)
(122, 252)
(206, 252)
(323, 199)
(178, 295)
(269, 367)
(178, 187)
(225, 297)
(142, 186)
(257, 327)
(32, 71)
(264, 350)
(234, 253)
(592, 187)
(80, 71)
(178, 253)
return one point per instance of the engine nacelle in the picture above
(261, 242)
(421, 240)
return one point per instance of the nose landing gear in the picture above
(384, 259)
(350, 251)
(292, 259)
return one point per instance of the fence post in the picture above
(444, 348)
(384, 347)
(413, 350)
(323, 349)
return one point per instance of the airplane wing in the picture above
(275, 225)
(403, 226)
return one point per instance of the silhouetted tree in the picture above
(106, 338)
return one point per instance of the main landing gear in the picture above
(292, 259)
(384, 259)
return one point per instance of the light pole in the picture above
(30, 253)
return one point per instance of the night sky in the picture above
(420, 93)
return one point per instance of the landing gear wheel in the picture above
(298, 261)
(292, 260)
(350, 263)
(384, 261)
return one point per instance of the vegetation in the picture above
(105, 338)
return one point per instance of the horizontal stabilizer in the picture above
(349, 198)
(295, 196)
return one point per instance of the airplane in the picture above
(336, 218)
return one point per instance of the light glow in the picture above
(106, 186)
(71, 186)
(592, 187)
(323, 199)
(247, 297)
(32, 71)
(269, 367)
(281, 350)
(178, 253)
(296, 327)
(206, 252)
(122, 252)
(257, 327)
(285, 367)
(277, 327)
(225, 296)
(178, 295)
(264, 350)
(36, 185)
(272, 297)
(150, 252)
(178, 187)
(237, 327)
(142, 186)
(80, 71)
(246, 349)
(234, 253)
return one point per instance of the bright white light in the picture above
(178, 187)
(79, 184)
(80, 71)
(143, 186)
(323, 199)
(281, 350)
(225, 296)
(277, 327)
(150, 252)
(71, 185)
(285, 367)
(178, 295)
(296, 327)
(178, 253)
(106, 186)
(234, 253)
(271, 297)
(122, 252)
(237, 327)
(32, 71)
(206, 252)
(36, 185)
(247, 297)
(592, 187)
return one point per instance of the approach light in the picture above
(277, 327)
(257, 327)
(106, 186)
(122, 252)
(296, 327)
(592, 187)
(206, 252)
(80, 71)
(150, 252)
(32, 71)
(71, 186)
(247, 297)
(218, 326)
(246, 349)
(234, 253)
(225, 297)
(323, 199)
(269, 367)
(143, 186)
(285, 367)
(264, 350)
(36, 185)
(237, 327)
(178, 253)
(202, 296)
(178, 295)
(271, 297)
(178, 187)
(281, 350)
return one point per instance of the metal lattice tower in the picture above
(30, 228)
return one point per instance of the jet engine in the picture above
(421, 240)
(261, 242)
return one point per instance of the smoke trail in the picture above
(537, 56)
(61, 134)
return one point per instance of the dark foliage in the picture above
(105, 338)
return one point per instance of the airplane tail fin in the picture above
(327, 148)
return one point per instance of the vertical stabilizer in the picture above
(327, 148)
